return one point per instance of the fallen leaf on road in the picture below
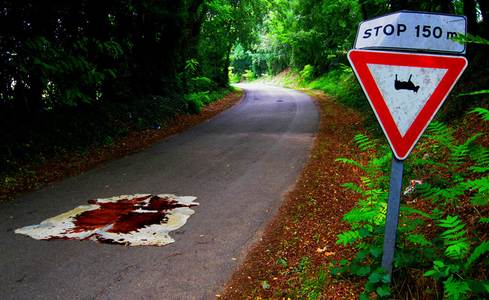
(321, 250)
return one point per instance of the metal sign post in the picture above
(392, 216)
(406, 90)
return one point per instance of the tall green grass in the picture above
(342, 84)
(197, 100)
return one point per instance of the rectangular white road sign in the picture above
(412, 31)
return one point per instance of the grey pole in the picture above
(392, 216)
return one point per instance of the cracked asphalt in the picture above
(239, 164)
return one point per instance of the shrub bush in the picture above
(196, 101)
(233, 77)
(249, 75)
(307, 73)
(342, 84)
(201, 83)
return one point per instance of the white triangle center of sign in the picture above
(406, 90)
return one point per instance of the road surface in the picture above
(239, 164)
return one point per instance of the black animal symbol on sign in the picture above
(406, 85)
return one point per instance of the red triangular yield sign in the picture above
(405, 90)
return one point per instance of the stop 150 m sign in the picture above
(412, 31)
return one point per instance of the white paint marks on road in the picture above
(132, 220)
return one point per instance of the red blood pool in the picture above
(159, 204)
(94, 219)
(122, 216)
(107, 214)
(133, 221)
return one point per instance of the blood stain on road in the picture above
(132, 220)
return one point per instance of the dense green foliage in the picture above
(441, 236)
(313, 37)
(60, 61)
(318, 33)
(77, 73)
(453, 196)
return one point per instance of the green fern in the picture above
(475, 93)
(480, 187)
(418, 239)
(353, 187)
(454, 237)
(456, 289)
(440, 133)
(482, 112)
(453, 172)
(480, 156)
(348, 237)
(364, 143)
(350, 162)
(479, 251)
(460, 153)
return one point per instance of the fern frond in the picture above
(475, 93)
(454, 237)
(360, 215)
(420, 162)
(459, 153)
(482, 112)
(481, 158)
(478, 184)
(350, 162)
(348, 237)
(440, 133)
(453, 193)
(411, 210)
(418, 239)
(381, 161)
(456, 289)
(479, 286)
(450, 222)
(480, 250)
(353, 187)
(364, 143)
(480, 198)
(366, 180)
(481, 185)
(428, 191)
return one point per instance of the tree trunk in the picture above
(446, 6)
(471, 13)
(484, 7)
(41, 26)
(363, 8)
(398, 5)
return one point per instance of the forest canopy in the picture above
(97, 68)
(298, 33)
(57, 53)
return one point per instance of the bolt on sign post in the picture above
(407, 63)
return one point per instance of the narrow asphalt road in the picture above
(239, 164)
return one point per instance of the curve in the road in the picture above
(239, 165)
